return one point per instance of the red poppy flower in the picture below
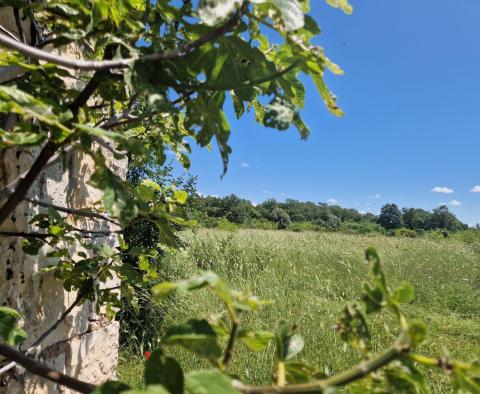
(147, 355)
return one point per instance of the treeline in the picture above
(213, 211)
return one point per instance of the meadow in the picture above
(311, 276)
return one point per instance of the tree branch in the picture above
(182, 50)
(72, 211)
(45, 334)
(24, 185)
(253, 82)
(227, 358)
(37, 368)
(18, 22)
(10, 188)
(25, 235)
(400, 347)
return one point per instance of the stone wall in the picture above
(85, 345)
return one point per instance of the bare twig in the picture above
(24, 185)
(8, 32)
(72, 211)
(182, 50)
(25, 235)
(10, 188)
(18, 23)
(227, 358)
(37, 368)
(45, 334)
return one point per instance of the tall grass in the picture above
(311, 276)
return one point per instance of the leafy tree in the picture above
(442, 218)
(416, 218)
(390, 217)
(280, 217)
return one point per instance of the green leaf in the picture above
(288, 344)
(55, 230)
(207, 279)
(353, 328)
(111, 388)
(290, 10)
(206, 112)
(163, 370)
(341, 4)
(209, 382)
(417, 332)
(31, 246)
(195, 335)
(255, 340)
(99, 132)
(213, 12)
(404, 293)
(18, 138)
(9, 331)
(300, 372)
(181, 196)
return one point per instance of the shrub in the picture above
(224, 224)
(405, 232)
(260, 224)
(361, 228)
(304, 226)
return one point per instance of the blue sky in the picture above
(411, 96)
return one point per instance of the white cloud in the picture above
(475, 189)
(332, 201)
(376, 195)
(455, 203)
(362, 212)
(442, 189)
(266, 191)
(441, 204)
(244, 164)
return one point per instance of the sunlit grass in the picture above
(311, 276)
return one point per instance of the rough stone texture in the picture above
(85, 345)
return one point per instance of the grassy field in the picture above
(311, 276)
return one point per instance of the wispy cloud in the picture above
(332, 201)
(207, 195)
(266, 192)
(475, 189)
(455, 203)
(376, 195)
(442, 189)
(244, 164)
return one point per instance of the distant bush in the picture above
(361, 228)
(260, 224)
(437, 234)
(405, 232)
(304, 226)
(224, 224)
